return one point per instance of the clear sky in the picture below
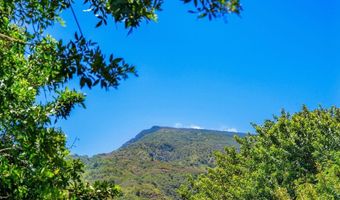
(214, 75)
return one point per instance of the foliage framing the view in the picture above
(291, 157)
(34, 159)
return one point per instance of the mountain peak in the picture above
(154, 163)
(165, 129)
(141, 134)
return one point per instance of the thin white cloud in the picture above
(234, 130)
(195, 126)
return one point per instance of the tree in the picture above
(290, 157)
(34, 159)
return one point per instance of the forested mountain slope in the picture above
(157, 160)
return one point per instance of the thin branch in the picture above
(5, 149)
(12, 39)
(74, 142)
(4, 197)
(76, 19)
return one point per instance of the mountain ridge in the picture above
(154, 128)
(157, 160)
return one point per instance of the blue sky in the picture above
(214, 75)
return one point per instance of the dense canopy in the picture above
(291, 157)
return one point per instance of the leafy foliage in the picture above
(157, 161)
(34, 159)
(33, 153)
(133, 12)
(291, 157)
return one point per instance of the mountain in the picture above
(154, 163)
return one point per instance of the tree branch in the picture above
(5, 149)
(12, 39)
(4, 197)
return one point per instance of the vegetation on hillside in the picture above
(291, 157)
(157, 161)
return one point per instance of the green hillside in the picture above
(157, 161)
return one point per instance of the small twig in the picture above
(5, 149)
(74, 142)
(75, 18)
(12, 39)
(4, 197)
